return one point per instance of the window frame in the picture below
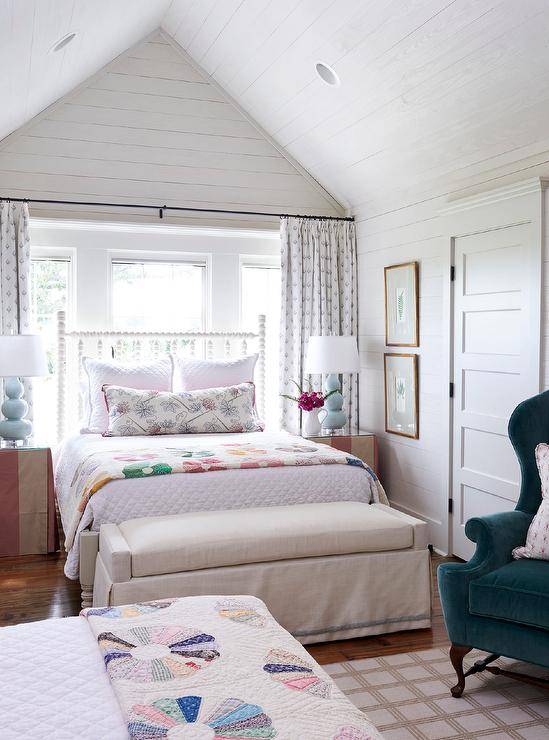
(261, 261)
(155, 257)
(61, 254)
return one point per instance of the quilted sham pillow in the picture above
(155, 375)
(537, 539)
(191, 374)
(208, 411)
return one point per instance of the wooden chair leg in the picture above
(457, 654)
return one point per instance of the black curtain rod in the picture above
(161, 209)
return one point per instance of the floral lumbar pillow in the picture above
(537, 539)
(209, 411)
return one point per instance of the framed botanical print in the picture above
(401, 395)
(401, 305)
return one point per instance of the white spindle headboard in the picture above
(127, 346)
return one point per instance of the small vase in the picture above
(311, 423)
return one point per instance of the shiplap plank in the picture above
(158, 50)
(152, 138)
(151, 173)
(209, 32)
(149, 155)
(240, 29)
(155, 121)
(176, 70)
(258, 28)
(156, 86)
(147, 103)
(144, 191)
(190, 17)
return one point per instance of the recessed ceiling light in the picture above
(64, 41)
(327, 74)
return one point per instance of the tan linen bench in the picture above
(326, 571)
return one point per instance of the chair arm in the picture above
(496, 536)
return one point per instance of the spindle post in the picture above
(61, 374)
(261, 365)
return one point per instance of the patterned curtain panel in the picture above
(319, 297)
(15, 308)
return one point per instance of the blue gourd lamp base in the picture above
(14, 428)
(335, 417)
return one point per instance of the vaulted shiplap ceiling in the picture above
(435, 94)
(32, 77)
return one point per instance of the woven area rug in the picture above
(407, 697)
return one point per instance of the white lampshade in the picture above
(22, 356)
(332, 355)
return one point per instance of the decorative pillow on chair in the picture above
(208, 411)
(155, 375)
(191, 374)
(537, 539)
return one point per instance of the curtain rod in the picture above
(161, 209)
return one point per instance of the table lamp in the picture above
(21, 356)
(331, 356)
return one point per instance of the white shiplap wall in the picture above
(150, 127)
(415, 472)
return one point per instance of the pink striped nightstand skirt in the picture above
(28, 524)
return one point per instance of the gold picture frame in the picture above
(401, 394)
(402, 304)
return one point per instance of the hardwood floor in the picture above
(34, 587)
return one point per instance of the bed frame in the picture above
(128, 346)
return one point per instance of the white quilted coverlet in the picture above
(53, 684)
(162, 495)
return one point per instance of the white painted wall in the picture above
(92, 246)
(416, 472)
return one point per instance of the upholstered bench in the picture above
(326, 571)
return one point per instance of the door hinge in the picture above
(450, 505)
(451, 390)
(452, 272)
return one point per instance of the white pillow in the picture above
(537, 539)
(154, 375)
(207, 411)
(192, 374)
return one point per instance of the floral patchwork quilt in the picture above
(102, 466)
(218, 668)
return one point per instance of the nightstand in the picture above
(359, 443)
(28, 522)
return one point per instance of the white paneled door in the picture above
(496, 365)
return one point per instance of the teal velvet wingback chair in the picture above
(493, 602)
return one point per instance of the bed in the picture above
(206, 667)
(121, 500)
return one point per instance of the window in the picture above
(260, 294)
(147, 295)
(50, 291)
